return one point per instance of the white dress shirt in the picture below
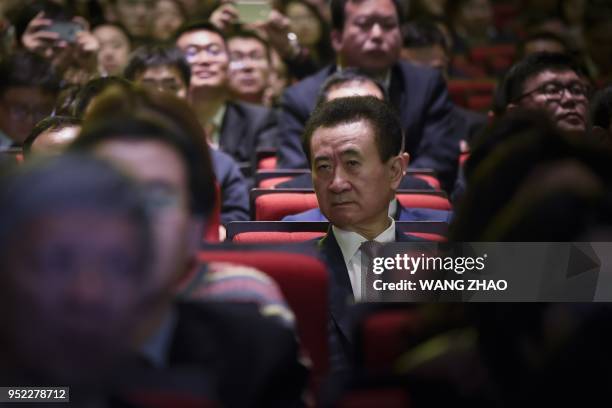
(350, 243)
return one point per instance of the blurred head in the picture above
(114, 50)
(350, 82)
(366, 33)
(78, 233)
(425, 44)
(169, 15)
(354, 146)
(135, 15)
(249, 66)
(552, 83)
(91, 90)
(52, 135)
(543, 42)
(28, 89)
(156, 138)
(159, 67)
(305, 22)
(472, 18)
(206, 52)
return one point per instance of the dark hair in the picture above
(387, 128)
(201, 25)
(423, 33)
(24, 68)
(601, 108)
(240, 32)
(52, 10)
(92, 89)
(137, 114)
(68, 182)
(155, 55)
(119, 27)
(542, 36)
(338, 12)
(345, 76)
(51, 122)
(512, 86)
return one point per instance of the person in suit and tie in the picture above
(354, 147)
(237, 128)
(366, 35)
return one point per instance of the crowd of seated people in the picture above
(141, 139)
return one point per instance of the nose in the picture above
(339, 182)
(87, 288)
(376, 32)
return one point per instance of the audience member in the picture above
(52, 135)
(93, 88)
(249, 69)
(169, 16)
(115, 46)
(135, 15)
(366, 35)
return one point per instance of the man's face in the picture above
(206, 53)
(249, 66)
(354, 88)
(114, 50)
(353, 186)
(163, 175)
(54, 141)
(476, 16)
(164, 79)
(21, 108)
(135, 16)
(546, 91)
(433, 57)
(371, 38)
(74, 279)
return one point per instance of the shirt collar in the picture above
(349, 241)
(156, 347)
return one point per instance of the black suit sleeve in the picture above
(293, 115)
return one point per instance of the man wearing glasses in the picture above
(237, 128)
(552, 82)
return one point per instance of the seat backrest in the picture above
(273, 207)
(303, 279)
(266, 237)
(422, 200)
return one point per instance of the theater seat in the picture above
(267, 163)
(262, 237)
(303, 281)
(211, 233)
(273, 207)
(271, 182)
(421, 200)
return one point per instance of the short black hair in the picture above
(338, 12)
(240, 32)
(345, 76)
(423, 33)
(92, 89)
(51, 122)
(156, 55)
(137, 114)
(513, 83)
(543, 36)
(384, 121)
(201, 25)
(601, 108)
(27, 69)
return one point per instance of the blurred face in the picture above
(434, 57)
(304, 24)
(206, 53)
(353, 186)
(475, 17)
(354, 88)
(371, 38)
(249, 67)
(54, 141)
(75, 278)
(163, 175)
(167, 19)
(164, 79)
(135, 15)
(561, 94)
(114, 49)
(21, 108)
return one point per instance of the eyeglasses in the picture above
(554, 90)
(211, 50)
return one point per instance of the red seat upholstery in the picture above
(276, 236)
(267, 163)
(429, 236)
(431, 180)
(211, 234)
(416, 200)
(462, 92)
(271, 182)
(273, 207)
(303, 281)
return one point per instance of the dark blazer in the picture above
(467, 124)
(402, 214)
(305, 181)
(341, 343)
(252, 360)
(245, 128)
(421, 98)
(234, 190)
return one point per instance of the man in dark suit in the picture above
(366, 35)
(354, 145)
(236, 128)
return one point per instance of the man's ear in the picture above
(336, 40)
(397, 169)
(406, 159)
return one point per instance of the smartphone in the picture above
(252, 11)
(67, 30)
